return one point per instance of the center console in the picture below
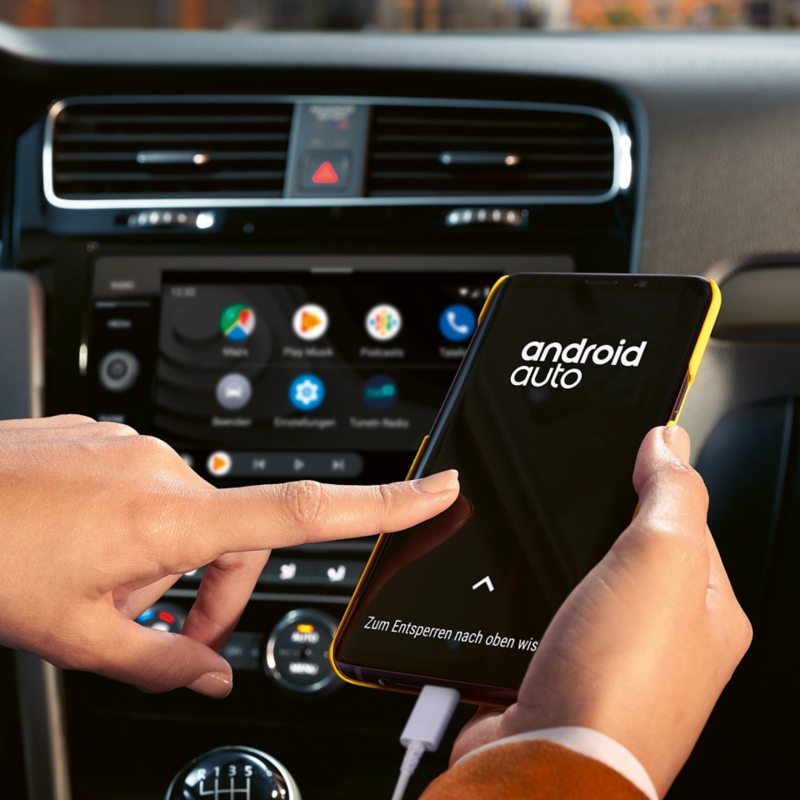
(281, 288)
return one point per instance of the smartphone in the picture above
(563, 378)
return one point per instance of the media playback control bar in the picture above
(237, 464)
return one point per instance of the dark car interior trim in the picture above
(713, 121)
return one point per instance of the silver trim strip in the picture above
(39, 684)
(41, 701)
(259, 202)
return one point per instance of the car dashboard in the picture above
(270, 251)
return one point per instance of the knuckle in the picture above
(73, 419)
(152, 444)
(687, 476)
(744, 630)
(304, 502)
(236, 562)
(387, 499)
(664, 539)
(110, 429)
(149, 449)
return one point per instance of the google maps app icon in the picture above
(237, 322)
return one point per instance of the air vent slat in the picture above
(138, 151)
(153, 176)
(508, 124)
(173, 138)
(482, 141)
(158, 119)
(429, 151)
(528, 157)
(219, 156)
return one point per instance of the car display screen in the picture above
(276, 375)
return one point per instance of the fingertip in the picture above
(439, 482)
(216, 685)
(677, 440)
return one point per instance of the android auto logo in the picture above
(557, 375)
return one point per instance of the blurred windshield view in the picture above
(405, 15)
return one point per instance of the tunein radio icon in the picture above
(380, 393)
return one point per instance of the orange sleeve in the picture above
(535, 770)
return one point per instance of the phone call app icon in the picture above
(457, 323)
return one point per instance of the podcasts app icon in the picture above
(310, 321)
(383, 322)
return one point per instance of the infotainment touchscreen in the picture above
(267, 368)
(287, 376)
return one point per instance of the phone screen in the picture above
(565, 377)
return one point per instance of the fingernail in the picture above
(677, 440)
(440, 482)
(213, 684)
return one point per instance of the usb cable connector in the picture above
(424, 730)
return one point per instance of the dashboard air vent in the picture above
(123, 151)
(431, 151)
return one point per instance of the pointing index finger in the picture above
(282, 515)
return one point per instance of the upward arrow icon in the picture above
(487, 580)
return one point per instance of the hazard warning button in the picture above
(325, 170)
(325, 174)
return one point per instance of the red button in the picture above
(325, 173)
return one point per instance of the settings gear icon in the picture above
(306, 392)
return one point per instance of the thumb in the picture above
(672, 496)
(157, 661)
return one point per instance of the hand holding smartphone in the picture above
(564, 377)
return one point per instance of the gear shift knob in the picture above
(233, 773)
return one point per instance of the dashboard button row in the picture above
(301, 572)
(316, 572)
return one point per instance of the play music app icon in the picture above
(219, 464)
(310, 321)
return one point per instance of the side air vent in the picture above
(169, 150)
(431, 151)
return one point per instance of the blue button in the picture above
(307, 392)
(457, 323)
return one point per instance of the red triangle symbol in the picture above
(325, 174)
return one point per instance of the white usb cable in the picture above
(424, 730)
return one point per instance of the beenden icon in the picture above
(383, 322)
(307, 392)
(234, 391)
(310, 321)
(237, 322)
